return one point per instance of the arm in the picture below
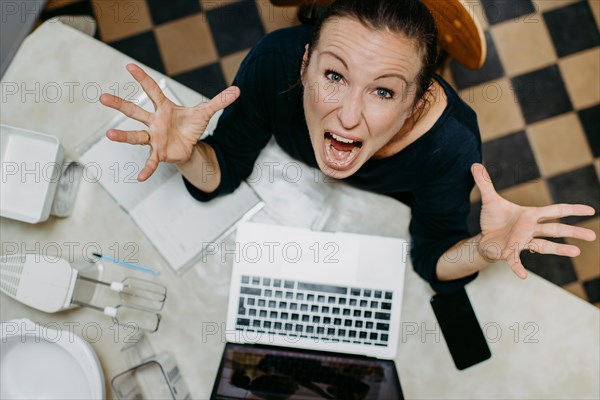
(202, 168)
(508, 229)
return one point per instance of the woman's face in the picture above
(358, 93)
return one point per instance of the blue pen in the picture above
(128, 265)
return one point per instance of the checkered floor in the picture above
(537, 96)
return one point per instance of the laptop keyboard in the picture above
(308, 310)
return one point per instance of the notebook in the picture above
(180, 227)
(312, 315)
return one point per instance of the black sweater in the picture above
(431, 175)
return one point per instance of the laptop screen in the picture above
(267, 372)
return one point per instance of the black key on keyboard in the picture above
(273, 315)
(384, 316)
(310, 329)
(326, 320)
(299, 328)
(268, 293)
(256, 281)
(384, 337)
(341, 332)
(252, 312)
(289, 295)
(272, 303)
(369, 325)
(277, 326)
(373, 336)
(320, 330)
(363, 303)
(251, 301)
(310, 297)
(368, 314)
(352, 334)
(278, 294)
(374, 304)
(289, 327)
(295, 317)
(378, 294)
(358, 324)
(325, 310)
(347, 322)
(250, 291)
(288, 284)
(299, 296)
(263, 313)
(383, 327)
(346, 311)
(261, 303)
(357, 313)
(314, 308)
(355, 292)
(266, 281)
(277, 282)
(388, 295)
(367, 293)
(245, 279)
(282, 305)
(321, 299)
(335, 311)
(331, 299)
(283, 315)
(304, 307)
(386, 306)
(363, 335)
(330, 331)
(305, 318)
(322, 288)
(342, 300)
(337, 321)
(243, 321)
(316, 319)
(267, 324)
(293, 306)
(256, 323)
(352, 302)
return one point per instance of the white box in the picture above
(31, 165)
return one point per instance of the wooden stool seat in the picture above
(460, 35)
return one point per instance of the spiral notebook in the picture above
(180, 227)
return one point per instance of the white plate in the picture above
(38, 362)
(31, 165)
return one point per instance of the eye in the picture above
(384, 93)
(334, 76)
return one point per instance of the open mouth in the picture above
(340, 151)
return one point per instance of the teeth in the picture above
(341, 139)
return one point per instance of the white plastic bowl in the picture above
(43, 363)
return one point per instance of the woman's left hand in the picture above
(507, 228)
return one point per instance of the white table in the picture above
(544, 341)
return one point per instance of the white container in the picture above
(30, 169)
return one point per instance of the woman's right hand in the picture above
(173, 131)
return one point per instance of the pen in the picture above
(128, 265)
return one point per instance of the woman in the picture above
(357, 97)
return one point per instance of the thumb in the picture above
(483, 181)
(222, 100)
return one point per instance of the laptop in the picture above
(312, 315)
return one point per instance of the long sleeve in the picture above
(439, 215)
